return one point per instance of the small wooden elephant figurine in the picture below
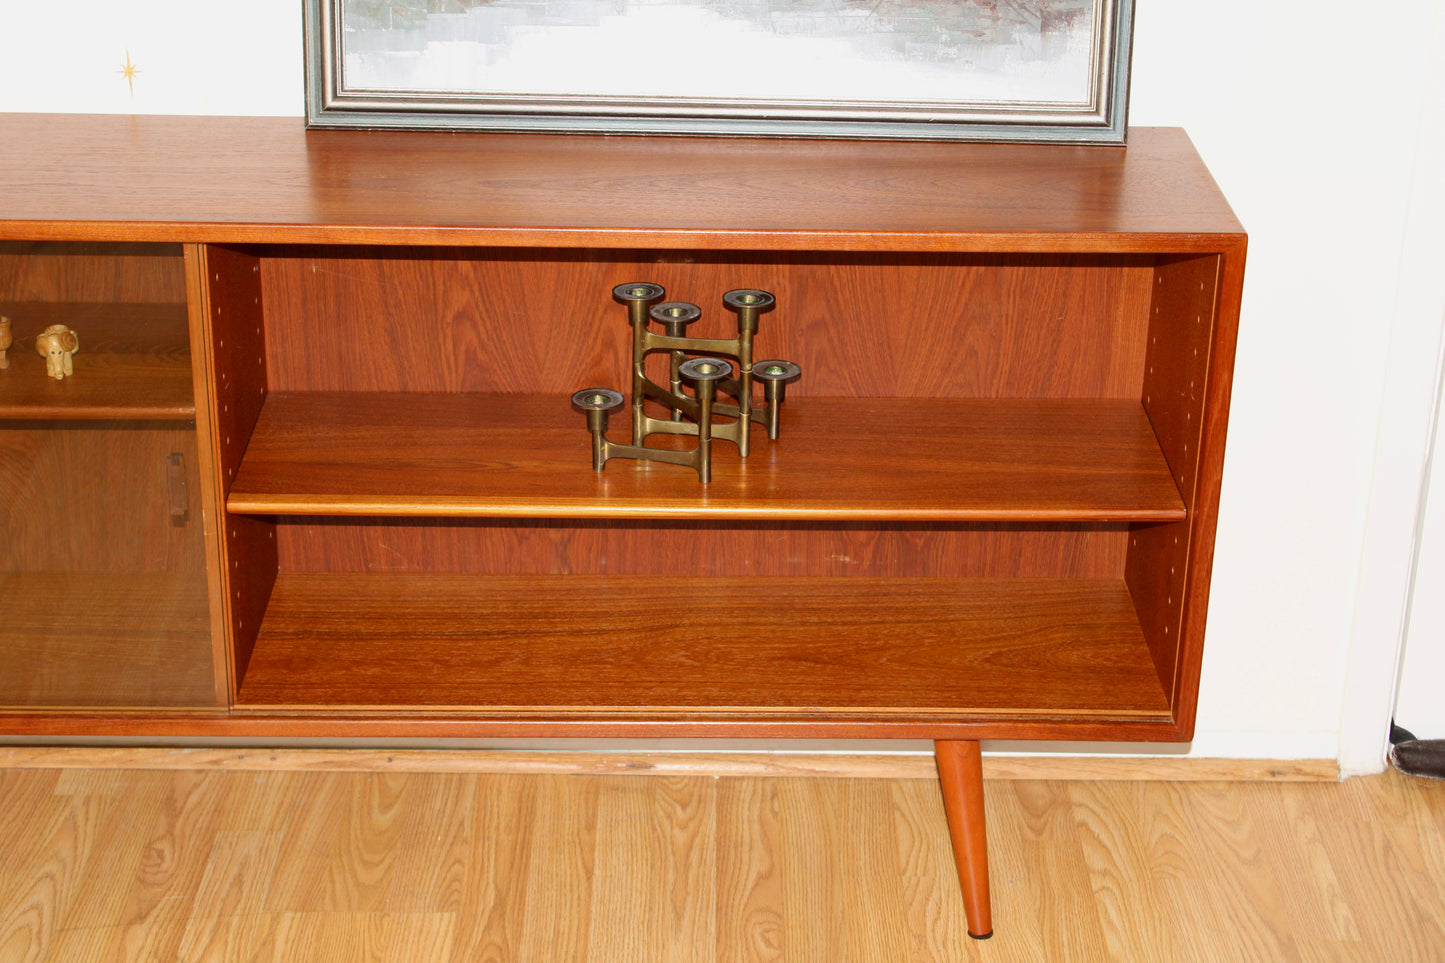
(56, 344)
(5, 341)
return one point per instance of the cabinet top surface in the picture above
(269, 180)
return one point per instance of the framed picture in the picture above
(1015, 70)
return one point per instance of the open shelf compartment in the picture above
(458, 455)
(627, 647)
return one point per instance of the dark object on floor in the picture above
(1416, 757)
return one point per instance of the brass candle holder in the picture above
(708, 375)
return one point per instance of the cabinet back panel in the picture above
(121, 273)
(547, 547)
(1020, 326)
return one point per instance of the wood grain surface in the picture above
(257, 867)
(666, 548)
(605, 647)
(1204, 503)
(234, 179)
(98, 496)
(860, 325)
(905, 762)
(72, 639)
(1183, 318)
(960, 776)
(91, 272)
(529, 456)
(228, 331)
(1009, 296)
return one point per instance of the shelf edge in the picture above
(95, 413)
(253, 504)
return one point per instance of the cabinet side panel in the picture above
(1176, 367)
(114, 273)
(1193, 321)
(1155, 572)
(227, 328)
(916, 325)
(544, 547)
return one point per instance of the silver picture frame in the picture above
(1045, 71)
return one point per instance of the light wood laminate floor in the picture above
(117, 864)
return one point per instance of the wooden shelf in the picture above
(104, 639)
(341, 453)
(716, 648)
(134, 362)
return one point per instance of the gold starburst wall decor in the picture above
(128, 72)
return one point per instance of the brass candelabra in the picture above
(699, 362)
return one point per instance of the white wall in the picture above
(1422, 296)
(1419, 707)
(191, 57)
(1396, 514)
(1308, 116)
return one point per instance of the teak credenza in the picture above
(316, 474)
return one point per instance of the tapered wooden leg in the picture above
(960, 770)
